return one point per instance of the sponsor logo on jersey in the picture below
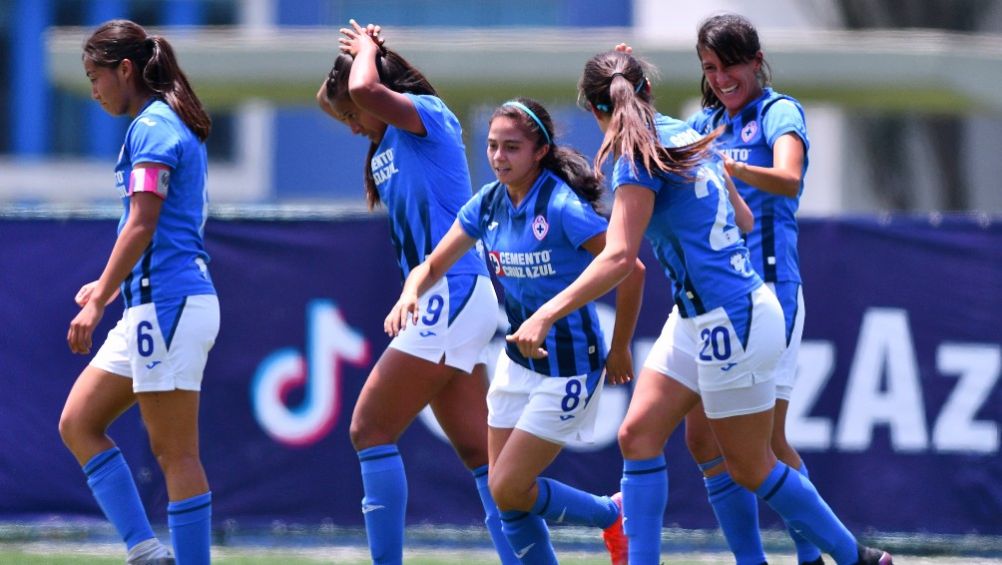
(147, 121)
(529, 265)
(748, 132)
(540, 227)
(383, 167)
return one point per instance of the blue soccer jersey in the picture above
(175, 262)
(749, 137)
(424, 181)
(692, 227)
(535, 251)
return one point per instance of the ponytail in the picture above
(615, 83)
(153, 57)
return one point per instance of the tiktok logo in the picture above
(331, 342)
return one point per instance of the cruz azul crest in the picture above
(540, 227)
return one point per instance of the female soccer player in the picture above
(725, 334)
(539, 227)
(156, 354)
(764, 143)
(417, 168)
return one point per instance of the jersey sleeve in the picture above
(469, 215)
(623, 173)
(433, 113)
(580, 221)
(782, 117)
(153, 140)
(700, 121)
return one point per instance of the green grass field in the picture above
(65, 553)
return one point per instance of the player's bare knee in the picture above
(509, 495)
(702, 446)
(634, 445)
(73, 430)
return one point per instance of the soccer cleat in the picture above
(615, 538)
(150, 552)
(870, 556)
(817, 561)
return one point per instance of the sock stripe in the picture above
(710, 464)
(187, 510)
(778, 484)
(645, 471)
(106, 457)
(546, 505)
(725, 488)
(378, 456)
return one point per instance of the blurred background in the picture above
(898, 406)
(901, 95)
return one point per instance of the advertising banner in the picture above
(896, 411)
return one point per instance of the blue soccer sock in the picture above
(807, 552)
(493, 519)
(645, 496)
(561, 503)
(736, 509)
(384, 503)
(795, 499)
(190, 523)
(529, 538)
(110, 480)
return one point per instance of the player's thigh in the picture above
(96, 399)
(699, 437)
(461, 409)
(171, 420)
(496, 440)
(520, 462)
(744, 440)
(658, 405)
(397, 389)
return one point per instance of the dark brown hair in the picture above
(615, 83)
(570, 165)
(153, 56)
(396, 74)
(734, 39)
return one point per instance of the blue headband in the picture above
(639, 86)
(532, 115)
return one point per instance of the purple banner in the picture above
(896, 413)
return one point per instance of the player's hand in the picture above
(619, 366)
(358, 39)
(406, 309)
(83, 295)
(530, 337)
(81, 333)
(730, 165)
(623, 48)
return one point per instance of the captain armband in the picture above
(150, 179)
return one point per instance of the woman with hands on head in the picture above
(539, 227)
(725, 334)
(156, 354)
(416, 167)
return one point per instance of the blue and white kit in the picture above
(536, 251)
(749, 137)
